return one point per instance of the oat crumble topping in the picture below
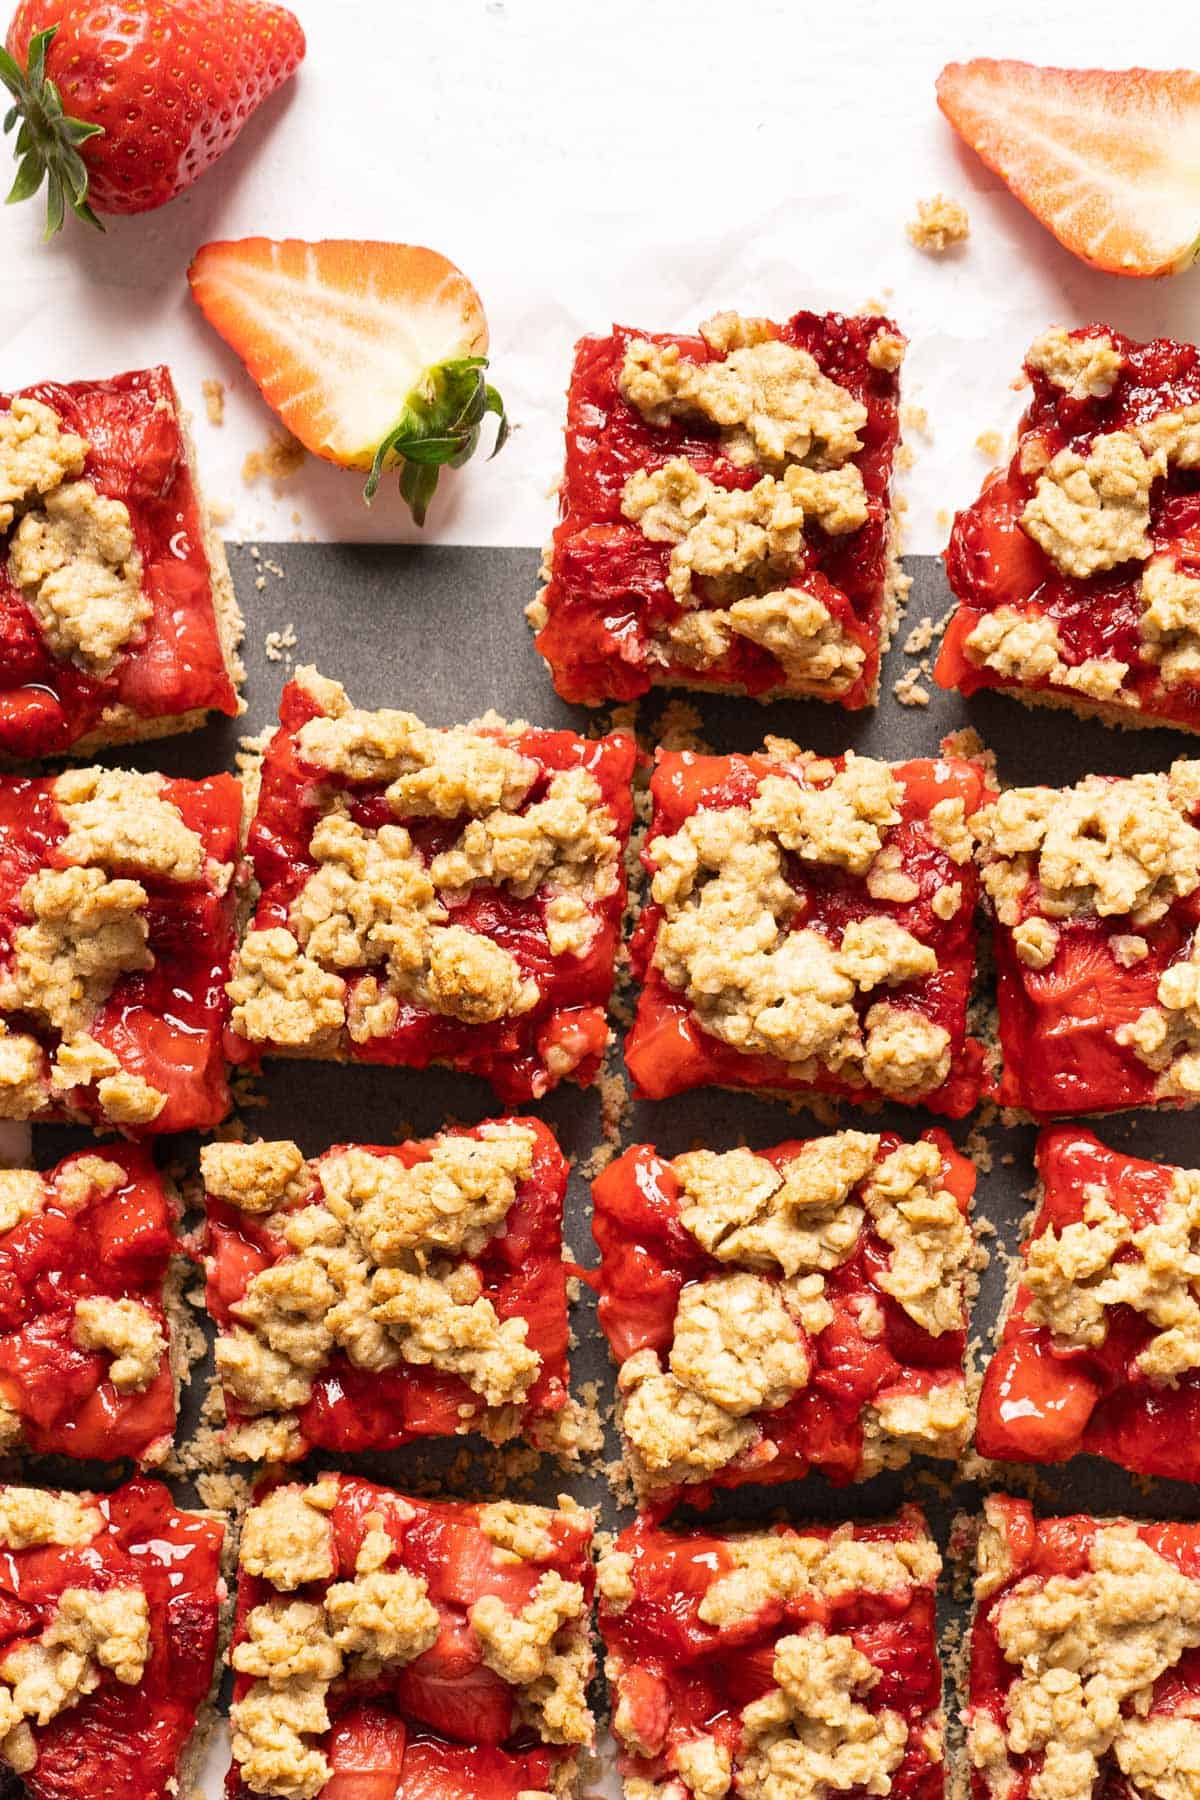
(1104, 847)
(1084, 368)
(544, 1651)
(1027, 648)
(1176, 434)
(88, 1632)
(117, 818)
(770, 400)
(86, 932)
(74, 560)
(781, 1567)
(811, 1733)
(128, 1332)
(36, 456)
(1170, 622)
(33, 1516)
(1092, 513)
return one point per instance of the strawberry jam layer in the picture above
(679, 1677)
(165, 1023)
(608, 602)
(991, 562)
(124, 1742)
(118, 1244)
(521, 1272)
(1044, 1401)
(1059, 1025)
(563, 1036)
(668, 1050)
(444, 1726)
(648, 1257)
(1037, 1550)
(175, 663)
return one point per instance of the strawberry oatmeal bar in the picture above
(109, 1615)
(726, 516)
(116, 935)
(777, 1665)
(86, 1347)
(1083, 1666)
(117, 615)
(1077, 570)
(385, 1646)
(799, 1308)
(374, 1295)
(1100, 1349)
(434, 896)
(1096, 895)
(810, 928)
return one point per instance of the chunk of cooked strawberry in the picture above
(365, 1750)
(471, 1705)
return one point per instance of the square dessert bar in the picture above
(1100, 1348)
(88, 1363)
(800, 1660)
(384, 1645)
(377, 1295)
(1084, 1678)
(725, 512)
(117, 615)
(432, 896)
(1096, 894)
(109, 1615)
(810, 928)
(1077, 570)
(116, 935)
(799, 1308)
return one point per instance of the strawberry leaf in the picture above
(438, 428)
(48, 141)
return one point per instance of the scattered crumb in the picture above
(220, 513)
(280, 459)
(908, 689)
(904, 457)
(944, 519)
(990, 444)
(915, 418)
(276, 644)
(920, 637)
(940, 224)
(214, 399)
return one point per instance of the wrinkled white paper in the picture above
(648, 161)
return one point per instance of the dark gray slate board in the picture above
(439, 631)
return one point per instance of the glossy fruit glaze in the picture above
(608, 597)
(648, 1258)
(117, 1244)
(991, 562)
(1042, 1403)
(1038, 1550)
(522, 1274)
(164, 1023)
(174, 665)
(682, 1678)
(445, 1726)
(1058, 1025)
(124, 1742)
(564, 1035)
(668, 1050)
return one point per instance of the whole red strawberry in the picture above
(121, 104)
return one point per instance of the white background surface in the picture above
(645, 161)
(648, 161)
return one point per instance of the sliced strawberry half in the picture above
(372, 354)
(1108, 160)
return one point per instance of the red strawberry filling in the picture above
(174, 665)
(124, 1742)
(668, 1049)
(681, 1677)
(992, 562)
(608, 599)
(1045, 1399)
(648, 1257)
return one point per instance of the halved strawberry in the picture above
(366, 1753)
(372, 354)
(1108, 160)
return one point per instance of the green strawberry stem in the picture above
(438, 428)
(48, 141)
